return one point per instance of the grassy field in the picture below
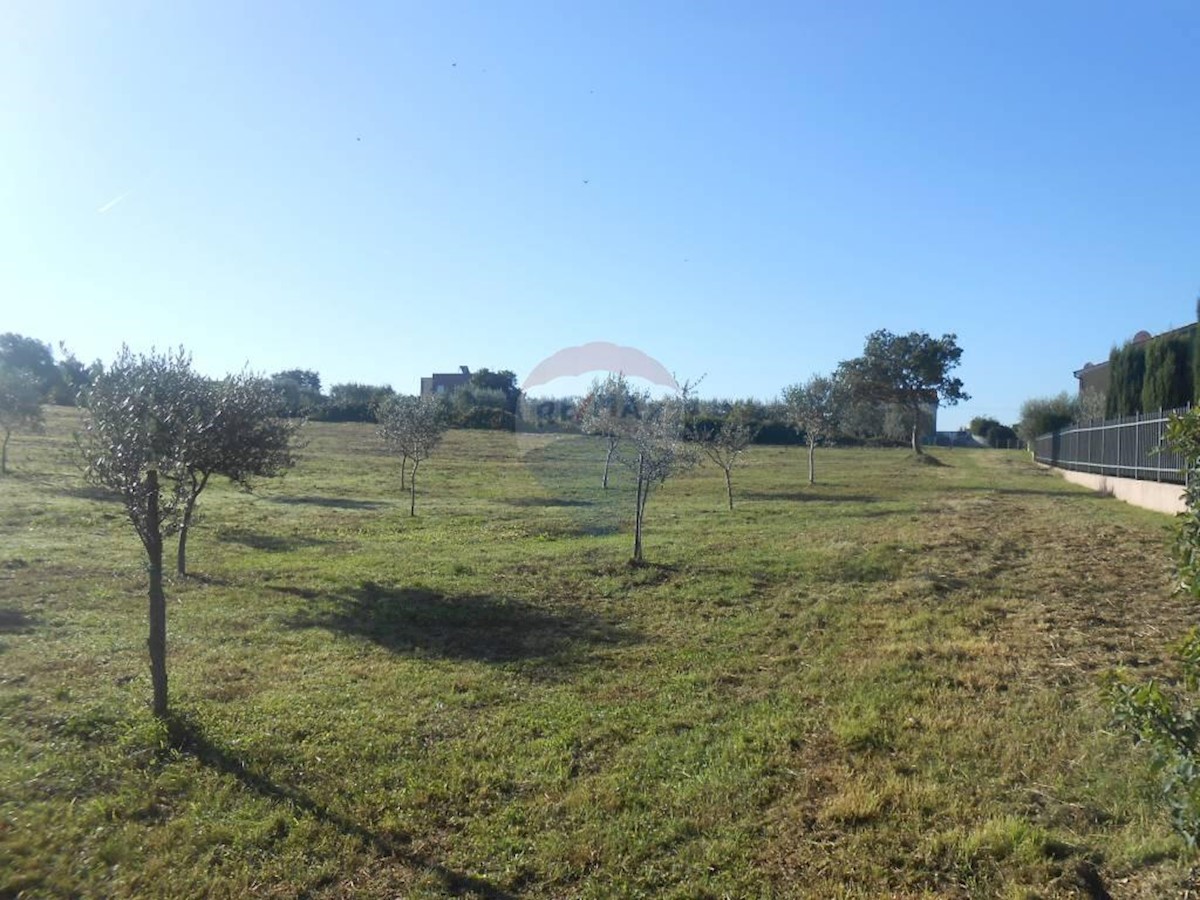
(888, 684)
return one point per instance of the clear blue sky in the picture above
(743, 190)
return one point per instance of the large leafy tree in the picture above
(411, 427)
(815, 408)
(20, 407)
(299, 391)
(910, 370)
(241, 439)
(145, 419)
(503, 381)
(35, 359)
(73, 378)
(1042, 415)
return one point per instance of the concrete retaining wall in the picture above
(1164, 498)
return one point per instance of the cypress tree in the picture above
(1196, 355)
(1127, 369)
(1159, 375)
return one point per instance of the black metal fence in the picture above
(1125, 447)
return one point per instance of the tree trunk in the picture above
(412, 484)
(812, 454)
(157, 642)
(729, 487)
(637, 516)
(916, 444)
(607, 460)
(4, 452)
(188, 509)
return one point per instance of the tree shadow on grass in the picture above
(1038, 492)
(15, 621)
(806, 496)
(328, 502)
(188, 737)
(91, 492)
(271, 543)
(416, 620)
(525, 502)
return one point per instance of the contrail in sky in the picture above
(137, 186)
(113, 202)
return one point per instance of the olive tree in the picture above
(143, 423)
(20, 407)
(411, 427)
(604, 411)
(724, 442)
(910, 370)
(814, 408)
(654, 449)
(241, 438)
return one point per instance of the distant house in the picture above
(440, 383)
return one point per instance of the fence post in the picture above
(1119, 449)
(1158, 446)
(1137, 444)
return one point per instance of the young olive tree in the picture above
(655, 449)
(144, 420)
(910, 370)
(20, 406)
(814, 408)
(411, 427)
(242, 438)
(604, 412)
(724, 442)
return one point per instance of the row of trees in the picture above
(655, 439)
(1152, 375)
(155, 433)
(490, 399)
(1148, 375)
(904, 374)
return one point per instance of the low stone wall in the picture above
(1158, 496)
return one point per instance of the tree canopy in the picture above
(20, 407)
(910, 370)
(815, 407)
(35, 359)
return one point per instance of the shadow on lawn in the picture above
(1036, 492)
(808, 496)
(271, 543)
(91, 492)
(547, 502)
(475, 627)
(187, 736)
(14, 621)
(328, 502)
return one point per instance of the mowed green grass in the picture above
(887, 684)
